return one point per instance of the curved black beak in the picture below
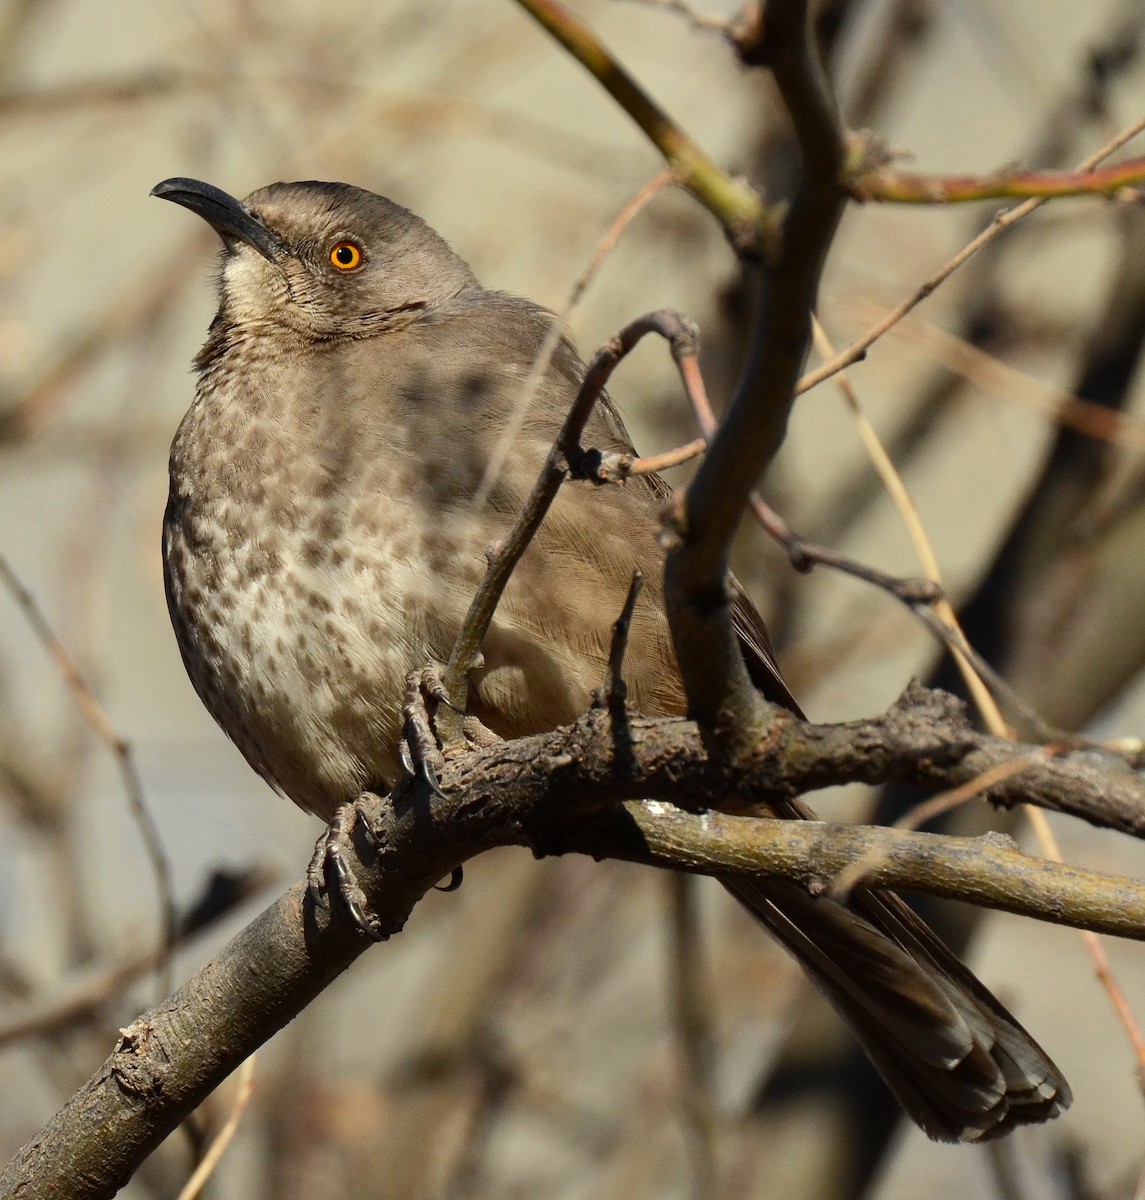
(230, 218)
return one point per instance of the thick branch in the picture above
(578, 789)
(720, 693)
(988, 870)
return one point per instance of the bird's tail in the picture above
(957, 1061)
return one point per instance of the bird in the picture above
(326, 528)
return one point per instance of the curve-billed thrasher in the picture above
(321, 541)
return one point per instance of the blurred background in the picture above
(526, 1036)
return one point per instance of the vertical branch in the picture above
(719, 690)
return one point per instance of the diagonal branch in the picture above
(857, 350)
(749, 224)
(682, 337)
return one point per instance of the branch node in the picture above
(589, 466)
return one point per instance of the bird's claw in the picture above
(455, 879)
(428, 776)
(420, 752)
(329, 871)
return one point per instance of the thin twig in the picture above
(512, 427)
(902, 501)
(989, 373)
(616, 690)
(749, 223)
(210, 1160)
(858, 349)
(802, 553)
(97, 720)
(629, 464)
(906, 187)
(954, 639)
(941, 617)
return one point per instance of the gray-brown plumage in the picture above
(321, 541)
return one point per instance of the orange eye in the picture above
(346, 256)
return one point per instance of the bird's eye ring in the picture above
(346, 256)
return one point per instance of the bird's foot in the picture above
(329, 869)
(420, 750)
(477, 735)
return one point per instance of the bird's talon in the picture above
(406, 757)
(455, 878)
(428, 776)
(316, 871)
(363, 811)
(420, 752)
(329, 871)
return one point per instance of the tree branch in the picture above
(720, 692)
(749, 223)
(579, 789)
(988, 870)
(564, 457)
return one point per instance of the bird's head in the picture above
(326, 259)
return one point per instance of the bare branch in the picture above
(750, 224)
(575, 790)
(556, 331)
(682, 336)
(1011, 216)
(719, 689)
(887, 184)
(97, 720)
